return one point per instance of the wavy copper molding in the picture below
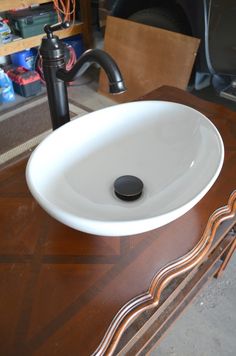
(151, 298)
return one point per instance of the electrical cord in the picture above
(71, 61)
(65, 9)
(207, 14)
(219, 82)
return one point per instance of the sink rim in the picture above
(122, 228)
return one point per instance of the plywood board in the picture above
(148, 57)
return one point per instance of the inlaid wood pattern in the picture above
(62, 290)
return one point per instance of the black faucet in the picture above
(52, 52)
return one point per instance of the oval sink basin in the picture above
(174, 150)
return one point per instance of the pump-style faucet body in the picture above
(52, 52)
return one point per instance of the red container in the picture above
(25, 82)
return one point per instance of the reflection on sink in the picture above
(175, 151)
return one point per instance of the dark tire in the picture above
(162, 18)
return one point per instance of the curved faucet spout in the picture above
(116, 82)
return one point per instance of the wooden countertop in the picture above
(60, 289)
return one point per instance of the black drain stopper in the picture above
(128, 188)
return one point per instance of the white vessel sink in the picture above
(175, 151)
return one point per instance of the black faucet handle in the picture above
(49, 29)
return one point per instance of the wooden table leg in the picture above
(227, 258)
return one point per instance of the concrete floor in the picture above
(208, 326)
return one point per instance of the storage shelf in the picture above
(13, 4)
(83, 27)
(34, 41)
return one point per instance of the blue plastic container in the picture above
(6, 88)
(25, 58)
(77, 43)
(5, 33)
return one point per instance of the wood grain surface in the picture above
(148, 57)
(61, 289)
